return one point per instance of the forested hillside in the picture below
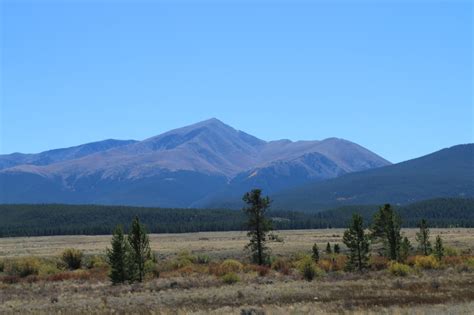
(57, 219)
(446, 173)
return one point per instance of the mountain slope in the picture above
(181, 168)
(59, 155)
(446, 173)
(313, 161)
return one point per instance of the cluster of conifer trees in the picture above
(386, 235)
(129, 255)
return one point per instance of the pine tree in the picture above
(140, 250)
(315, 252)
(117, 257)
(328, 249)
(357, 243)
(405, 248)
(258, 224)
(386, 228)
(337, 249)
(423, 238)
(439, 248)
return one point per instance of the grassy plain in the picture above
(195, 289)
(216, 244)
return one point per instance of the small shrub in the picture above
(22, 267)
(230, 278)
(2, 265)
(184, 259)
(230, 265)
(281, 264)
(308, 269)
(262, 271)
(339, 263)
(325, 264)
(426, 262)
(470, 263)
(399, 269)
(150, 265)
(202, 259)
(96, 261)
(275, 238)
(48, 268)
(378, 263)
(309, 272)
(214, 269)
(72, 258)
(451, 251)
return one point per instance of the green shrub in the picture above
(184, 259)
(202, 259)
(399, 269)
(48, 267)
(451, 251)
(152, 268)
(230, 265)
(470, 263)
(308, 269)
(230, 278)
(22, 267)
(95, 261)
(426, 262)
(72, 258)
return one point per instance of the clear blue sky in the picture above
(394, 77)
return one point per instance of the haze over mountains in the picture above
(190, 166)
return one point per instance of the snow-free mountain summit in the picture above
(180, 168)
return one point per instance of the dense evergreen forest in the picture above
(61, 219)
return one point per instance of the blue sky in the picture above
(394, 77)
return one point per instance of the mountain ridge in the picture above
(197, 160)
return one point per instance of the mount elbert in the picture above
(210, 164)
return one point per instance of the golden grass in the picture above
(219, 245)
(198, 288)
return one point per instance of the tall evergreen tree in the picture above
(439, 248)
(117, 256)
(358, 244)
(140, 249)
(386, 228)
(315, 254)
(423, 238)
(258, 224)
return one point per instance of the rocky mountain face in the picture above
(190, 166)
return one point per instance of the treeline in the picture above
(61, 219)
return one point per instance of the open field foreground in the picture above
(188, 283)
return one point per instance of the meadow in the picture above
(191, 278)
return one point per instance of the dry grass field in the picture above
(215, 244)
(197, 289)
